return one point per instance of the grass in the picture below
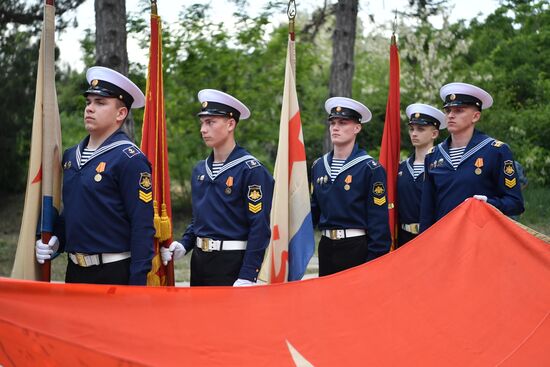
(536, 216)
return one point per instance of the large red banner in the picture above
(473, 290)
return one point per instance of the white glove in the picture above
(243, 283)
(176, 250)
(481, 197)
(44, 251)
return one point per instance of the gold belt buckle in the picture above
(205, 244)
(81, 259)
(333, 234)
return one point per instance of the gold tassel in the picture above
(165, 225)
(156, 220)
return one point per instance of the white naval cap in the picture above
(423, 114)
(217, 103)
(109, 83)
(460, 94)
(347, 108)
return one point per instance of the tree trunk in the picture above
(343, 51)
(110, 33)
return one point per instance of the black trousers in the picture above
(117, 272)
(338, 255)
(403, 237)
(216, 267)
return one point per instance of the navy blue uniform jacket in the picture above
(409, 192)
(114, 213)
(234, 205)
(355, 200)
(487, 168)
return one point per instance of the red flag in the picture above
(43, 194)
(154, 146)
(391, 139)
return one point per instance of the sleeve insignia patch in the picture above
(255, 208)
(131, 151)
(378, 189)
(510, 183)
(252, 163)
(254, 193)
(497, 143)
(509, 168)
(145, 181)
(145, 196)
(380, 201)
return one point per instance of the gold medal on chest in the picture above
(227, 190)
(478, 171)
(346, 187)
(97, 177)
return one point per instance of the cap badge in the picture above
(94, 82)
(417, 115)
(338, 109)
(452, 97)
(204, 104)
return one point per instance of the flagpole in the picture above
(50, 145)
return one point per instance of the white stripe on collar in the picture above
(226, 166)
(467, 154)
(102, 150)
(350, 164)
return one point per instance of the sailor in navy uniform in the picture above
(424, 124)
(107, 222)
(348, 202)
(468, 163)
(231, 198)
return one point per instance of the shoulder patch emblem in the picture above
(255, 195)
(373, 164)
(497, 143)
(509, 168)
(131, 151)
(253, 163)
(378, 189)
(145, 181)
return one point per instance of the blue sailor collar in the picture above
(357, 155)
(116, 139)
(477, 142)
(238, 155)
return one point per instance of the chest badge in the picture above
(325, 179)
(229, 184)
(100, 168)
(479, 165)
(67, 165)
(347, 181)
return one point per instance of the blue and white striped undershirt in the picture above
(216, 166)
(418, 169)
(335, 168)
(86, 154)
(456, 155)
